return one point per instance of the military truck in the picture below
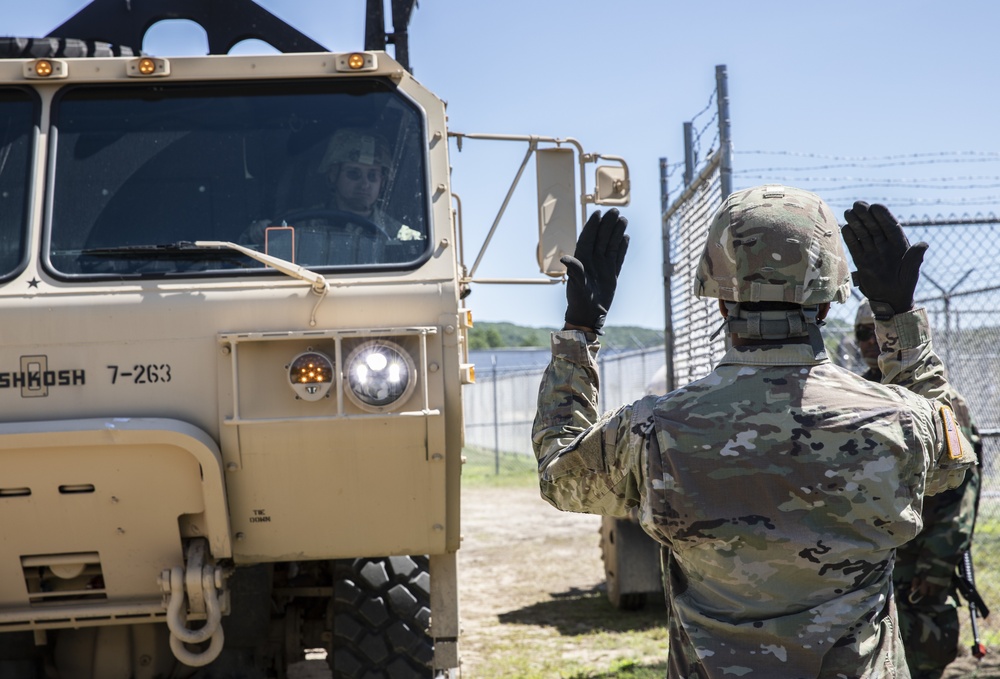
(633, 574)
(231, 406)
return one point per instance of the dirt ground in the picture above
(517, 553)
(520, 556)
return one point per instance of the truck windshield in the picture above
(326, 174)
(17, 124)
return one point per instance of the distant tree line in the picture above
(485, 335)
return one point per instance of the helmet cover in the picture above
(774, 244)
(355, 145)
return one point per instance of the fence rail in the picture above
(500, 408)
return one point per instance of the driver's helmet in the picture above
(774, 244)
(355, 145)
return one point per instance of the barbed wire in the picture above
(986, 155)
(837, 166)
(696, 143)
(936, 183)
(897, 201)
(711, 100)
(673, 168)
(881, 172)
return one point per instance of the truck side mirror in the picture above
(555, 170)
(612, 185)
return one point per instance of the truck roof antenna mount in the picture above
(226, 22)
(376, 37)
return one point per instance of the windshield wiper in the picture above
(180, 250)
(217, 249)
(317, 281)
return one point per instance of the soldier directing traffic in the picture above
(781, 485)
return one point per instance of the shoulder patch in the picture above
(951, 435)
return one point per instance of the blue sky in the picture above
(810, 84)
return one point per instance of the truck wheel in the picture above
(381, 618)
(40, 48)
(631, 563)
(19, 657)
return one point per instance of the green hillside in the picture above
(486, 335)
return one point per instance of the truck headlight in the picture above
(379, 374)
(311, 375)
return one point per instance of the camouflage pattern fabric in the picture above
(774, 243)
(781, 486)
(929, 624)
(356, 145)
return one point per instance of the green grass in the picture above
(485, 468)
(538, 641)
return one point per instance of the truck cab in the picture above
(232, 365)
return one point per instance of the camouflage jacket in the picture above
(781, 485)
(949, 520)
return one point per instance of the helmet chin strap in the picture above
(775, 325)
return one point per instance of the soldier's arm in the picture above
(586, 462)
(888, 269)
(907, 356)
(908, 360)
(947, 532)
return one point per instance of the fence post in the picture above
(725, 142)
(946, 296)
(668, 272)
(496, 420)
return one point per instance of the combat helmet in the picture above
(773, 243)
(355, 145)
(864, 316)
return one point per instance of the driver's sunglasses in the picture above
(863, 333)
(354, 174)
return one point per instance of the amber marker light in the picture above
(147, 67)
(311, 375)
(355, 61)
(43, 67)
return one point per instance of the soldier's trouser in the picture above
(930, 630)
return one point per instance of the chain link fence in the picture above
(500, 407)
(959, 287)
(691, 321)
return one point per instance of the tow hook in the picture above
(200, 585)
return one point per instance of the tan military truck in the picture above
(632, 561)
(233, 352)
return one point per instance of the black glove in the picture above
(888, 266)
(593, 269)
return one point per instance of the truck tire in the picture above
(381, 619)
(41, 48)
(20, 658)
(631, 563)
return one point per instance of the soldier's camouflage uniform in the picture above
(929, 620)
(930, 624)
(781, 486)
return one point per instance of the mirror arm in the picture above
(532, 145)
